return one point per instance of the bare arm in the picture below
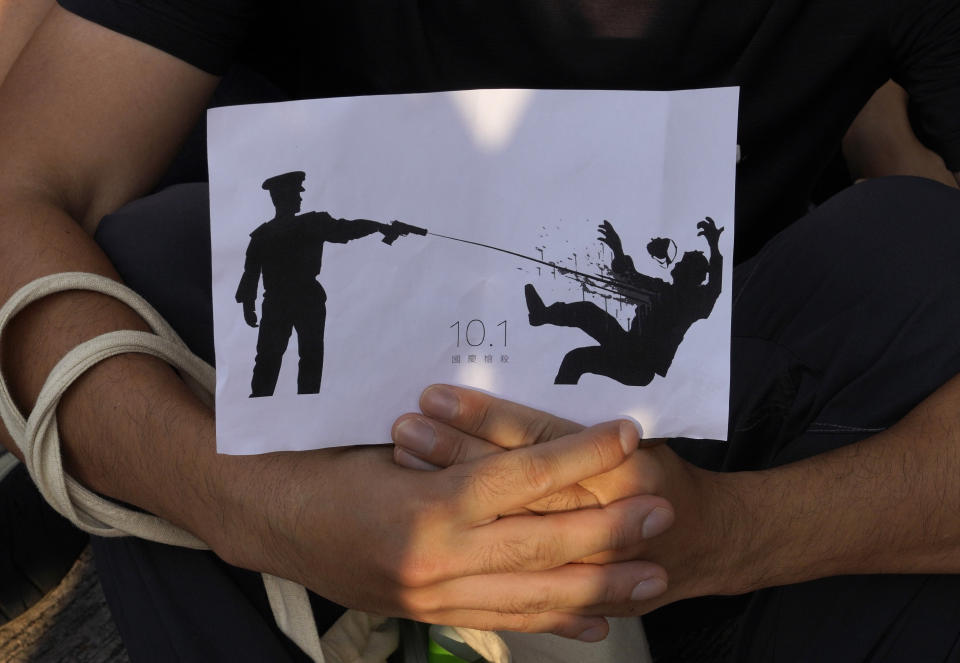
(882, 142)
(18, 20)
(54, 169)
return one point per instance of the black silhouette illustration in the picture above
(288, 252)
(665, 311)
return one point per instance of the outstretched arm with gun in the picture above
(346, 230)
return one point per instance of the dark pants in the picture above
(842, 324)
(280, 317)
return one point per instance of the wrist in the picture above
(242, 515)
(259, 508)
(737, 528)
(719, 555)
(285, 513)
(767, 533)
(175, 474)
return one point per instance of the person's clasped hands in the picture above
(457, 427)
(357, 528)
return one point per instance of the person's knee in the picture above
(915, 217)
(889, 234)
(863, 294)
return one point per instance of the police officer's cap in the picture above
(285, 182)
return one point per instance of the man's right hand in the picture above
(356, 528)
(610, 237)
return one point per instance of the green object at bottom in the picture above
(437, 654)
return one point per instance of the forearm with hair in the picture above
(887, 504)
(130, 427)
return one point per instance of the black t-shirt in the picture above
(806, 67)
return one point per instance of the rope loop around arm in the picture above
(38, 437)
(42, 442)
(39, 440)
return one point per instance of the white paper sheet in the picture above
(528, 176)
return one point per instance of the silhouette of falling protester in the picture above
(288, 252)
(665, 312)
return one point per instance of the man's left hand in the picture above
(709, 231)
(250, 314)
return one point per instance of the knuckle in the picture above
(416, 571)
(606, 448)
(524, 623)
(559, 501)
(409, 575)
(618, 536)
(482, 417)
(427, 511)
(534, 604)
(536, 429)
(419, 604)
(505, 475)
(447, 450)
(417, 574)
(544, 552)
(580, 498)
(459, 451)
(550, 551)
(537, 471)
(507, 555)
(563, 630)
(519, 554)
(573, 498)
(611, 593)
(482, 486)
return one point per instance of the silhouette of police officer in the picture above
(665, 312)
(288, 252)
